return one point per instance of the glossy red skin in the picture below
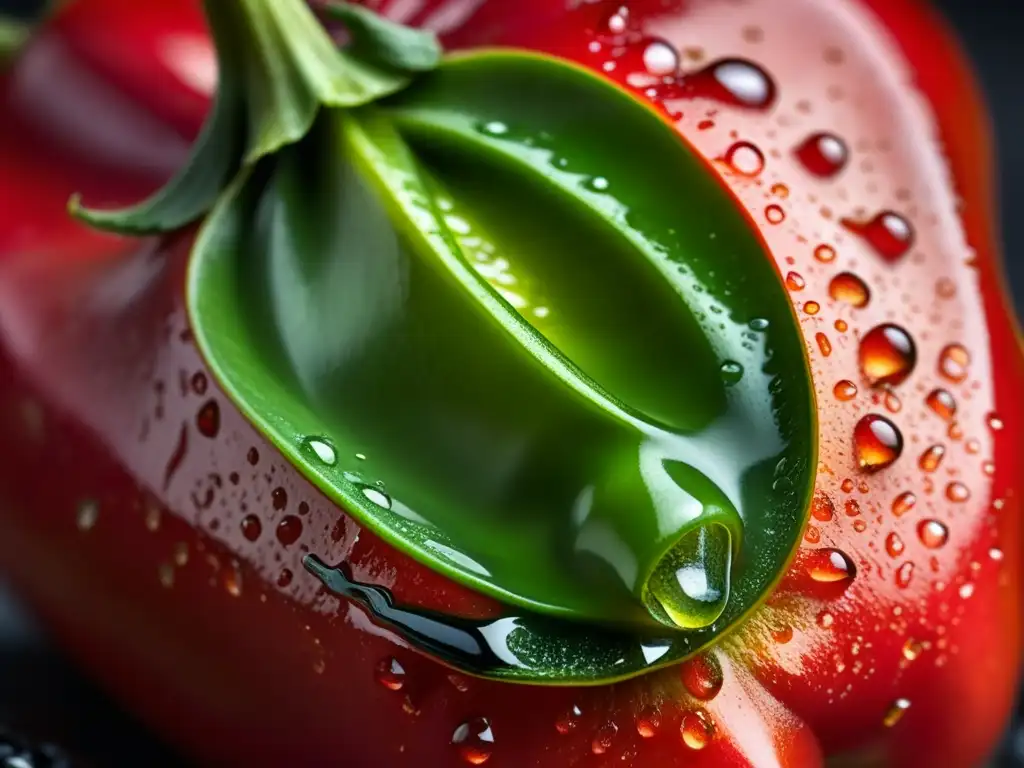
(237, 666)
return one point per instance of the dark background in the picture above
(42, 696)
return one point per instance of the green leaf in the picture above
(547, 356)
(383, 42)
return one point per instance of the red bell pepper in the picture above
(162, 531)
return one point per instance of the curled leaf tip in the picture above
(375, 38)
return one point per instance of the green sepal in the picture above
(278, 68)
(338, 298)
(385, 43)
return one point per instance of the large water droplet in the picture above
(823, 154)
(828, 566)
(702, 676)
(732, 373)
(660, 58)
(697, 729)
(954, 361)
(877, 442)
(887, 355)
(474, 741)
(690, 586)
(251, 527)
(391, 673)
(933, 533)
(647, 723)
(888, 233)
(737, 82)
(744, 158)
(323, 450)
(289, 530)
(850, 289)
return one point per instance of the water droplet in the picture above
(932, 458)
(889, 234)
(376, 495)
(208, 419)
(896, 712)
(780, 190)
(825, 254)
(165, 575)
(850, 289)
(904, 574)
(251, 527)
(495, 128)
(697, 729)
(841, 325)
(995, 554)
(972, 446)
(828, 566)
(603, 739)
(942, 403)
(598, 184)
(284, 578)
(289, 530)
(774, 214)
(782, 634)
(995, 423)
(758, 324)
(795, 281)
(233, 579)
(253, 456)
(903, 503)
(647, 723)
(877, 442)
(569, 720)
(279, 498)
(474, 741)
(690, 586)
(825, 620)
(845, 390)
(957, 492)
(965, 591)
(822, 507)
(181, 554)
(911, 649)
(87, 514)
(199, 383)
(323, 450)
(894, 545)
(738, 82)
(618, 20)
(887, 355)
(953, 362)
(702, 676)
(732, 372)
(823, 154)
(823, 344)
(745, 158)
(391, 674)
(660, 58)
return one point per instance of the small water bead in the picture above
(841, 326)
(824, 345)
(896, 712)
(972, 446)
(660, 58)
(604, 738)
(989, 468)
(888, 233)
(825, 620)
(826, 254)
(199, 383)
(697, 729)
(823, 154)
(284, 578)
(569, 720)
(860, 526)
(87, 514)
(903, 503)
(904, 575)
(912, 649)
(845, 390)
(289, 530)
(893, 404)
(894, 545)
(598, 184)
(966, 591)
(852, 507)
(812, 535)
(877, 443)
(847, 487)
(495, 128)
(828, 566)
(732, 372)
(208, 419)
(955, 431)
(849, 289)
(887, 355)
(376, 495)
(702, 676)
(279, 498)
(323, 450)
(780, 190)
(618, 20)
(647, 723)
(232, 579)
(995, 554)
(822, 507)
(181, 554)
(758, 324)
(932, 458)
(954, 361)
(251, 527)
(391, 673)
(795, 281)
(774, 214)
(474, 741)
(957, 492)
(995, 423)
(252, 456)
(942, 403)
